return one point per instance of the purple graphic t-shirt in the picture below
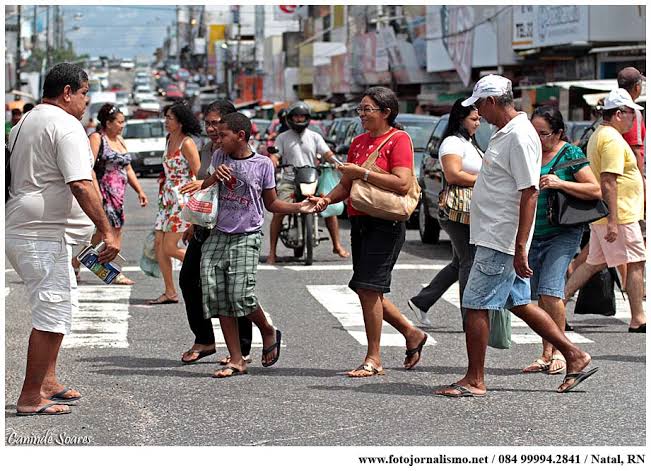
(241, 208)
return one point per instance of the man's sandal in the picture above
(537, 366)
(368, 368)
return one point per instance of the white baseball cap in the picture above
(618, 98)
(490, 85)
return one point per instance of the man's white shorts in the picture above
(45, 268)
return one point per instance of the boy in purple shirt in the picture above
(229, 257)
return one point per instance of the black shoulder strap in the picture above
(570, 163)
(18, 133)
(558, 159)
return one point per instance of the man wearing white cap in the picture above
(502, 213)
(617, 239)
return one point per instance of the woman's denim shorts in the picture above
(549, 258)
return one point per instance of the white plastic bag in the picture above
(201, 208)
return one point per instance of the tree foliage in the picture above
(66, 54)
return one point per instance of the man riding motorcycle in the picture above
(299, 146)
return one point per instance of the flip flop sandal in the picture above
(42, 411)
(163, 299)
(578, 378)
(413, 351)
(123, 280)
(226, 360)
(234, 372)
(463, 392)
(202, 354)
(368, 368)
(557, 370)
(60, 397)
(537, 366)
(276, 347)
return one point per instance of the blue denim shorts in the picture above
(549, 258)
(493, 283)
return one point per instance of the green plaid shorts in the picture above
(229, 263)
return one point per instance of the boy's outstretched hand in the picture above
(306, 206)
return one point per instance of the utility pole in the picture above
(34, 26)
(18, 46)
(47, 37)
(237, 50)
(178, 47)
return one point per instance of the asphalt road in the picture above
(124, 358)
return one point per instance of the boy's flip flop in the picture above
(275, 346)
(234, 372)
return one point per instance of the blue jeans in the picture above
(549, 258)
(493, 283)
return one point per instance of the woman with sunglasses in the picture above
(553, 247)
(190, 275)
(113, 171)
(181, 164)
(376, 243)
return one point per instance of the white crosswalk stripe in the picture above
(343, 303)
(7, 291)
(102, 320)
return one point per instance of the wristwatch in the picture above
(366, 174)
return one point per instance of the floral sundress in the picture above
(111, 170)
(170, 200)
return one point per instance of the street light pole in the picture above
(47, 37)
(18, 46)
(178, 48)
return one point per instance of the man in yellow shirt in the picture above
(617, 239)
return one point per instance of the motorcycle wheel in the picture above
(309, 238)
(298, 252)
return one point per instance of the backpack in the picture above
(8, 157)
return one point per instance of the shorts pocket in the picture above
(490, 268)
(54, 296)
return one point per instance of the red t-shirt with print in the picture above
(395, 153)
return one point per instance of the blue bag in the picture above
(327, 181)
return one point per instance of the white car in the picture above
(141, 94)
(127, 64)
(149, 104)
(145, 140)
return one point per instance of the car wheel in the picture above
(428, 227)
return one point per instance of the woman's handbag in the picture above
(381, 203)
(201, 208)
(566, 210)
(454, 203)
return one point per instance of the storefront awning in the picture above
(318, 106)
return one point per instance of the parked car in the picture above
(172, 92)
(337, 131)
(145, 140)
(127, 64)
(431, 179)
(575, 129)
(150, 104)
(142, 93)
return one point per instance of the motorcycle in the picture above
(300, 232)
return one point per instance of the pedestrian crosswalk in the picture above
(256, 340)
(102, 320)
(343, 304)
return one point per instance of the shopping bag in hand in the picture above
(201, 209)
(327, 181)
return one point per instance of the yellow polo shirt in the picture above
(609, 152)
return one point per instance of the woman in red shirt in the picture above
(376, 243)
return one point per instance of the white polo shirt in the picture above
(511, 164)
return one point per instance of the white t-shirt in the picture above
(511, 164)
(470, 157)
(300, 150)
(52, 151)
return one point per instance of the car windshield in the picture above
(419, 130)
(144, 130)
(316, 128)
